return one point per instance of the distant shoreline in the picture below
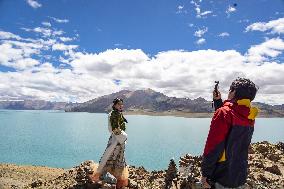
(189, 115)
(151, 113)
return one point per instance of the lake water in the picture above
(59, 139)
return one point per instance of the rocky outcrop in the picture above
(171, 175)
(266, 171)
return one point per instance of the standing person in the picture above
(225, 157)
(113, 159)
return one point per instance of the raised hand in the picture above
(216, 95)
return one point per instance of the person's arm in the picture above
(215, 143)
(114, 121)
(217, 100)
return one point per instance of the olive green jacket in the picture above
(117, 120)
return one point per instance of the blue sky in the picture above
(153, 26)
(82, 41)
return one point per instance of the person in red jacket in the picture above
(225, 157)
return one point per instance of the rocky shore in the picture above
(266, 171)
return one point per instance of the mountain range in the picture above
(139, 102)
(155, 103)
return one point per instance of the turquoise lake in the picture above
(59, 139)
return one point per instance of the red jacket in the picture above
(226, 150)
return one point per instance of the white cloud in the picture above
(24, 53)
(84, 76)
(205, 13)
(48, 24)
(181, 10)
(199, 13)
(59, 20)
(8, 35)
(118, 44)
(66, 39)
(25, 63)
(58, 32)
(33, 3)
(224, 34)
(45, 32)
(190, 25)
(16, 58)
(63, 47)
(201, 32)
(8, 53)
(107, 61)
(200, 41)
(175, 73)
(270, 48)
(276, 26)
(231, 9)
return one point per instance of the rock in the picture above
(273, 157)
(274, 169)
(171, 174)
(280, 146)
(259, 164)
(109, 178)
(36, 183)
(108, 186)
(263, 178)
(133, 184)
(262, 148)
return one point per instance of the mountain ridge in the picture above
(150, 102)
(145, 101)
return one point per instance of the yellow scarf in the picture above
(253, 110)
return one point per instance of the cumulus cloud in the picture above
(84, 75)
(200, 41)
(224, 34)
(24, 53)
(268, 49)
(34, 4)
(59, 20)
(180, 10)
(199, 13)
(200, 32)
(63, 47)
(8, 35)
(107, 61)
(45, 32)
(275, 26)
(66, 39)
(48, 24)
(17, 58)
(205, 13)
(175, 73)
(231, 9)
